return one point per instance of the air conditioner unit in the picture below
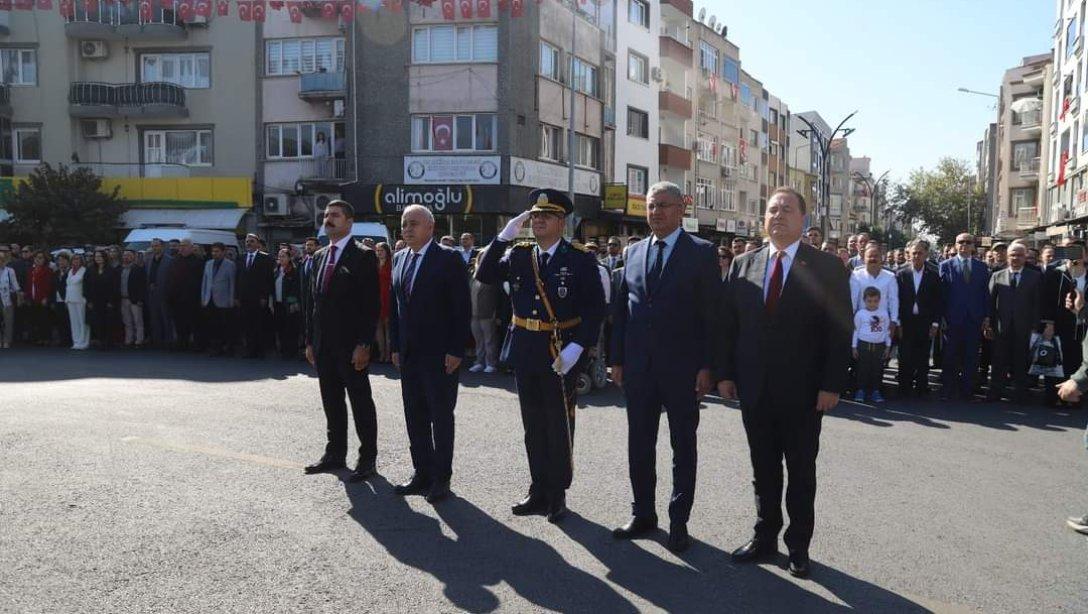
(275, 204)
(656, 74)
(94, 50)
(338, 108)
(96, 128)
(322, 200)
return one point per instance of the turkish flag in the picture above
(483, 8)
(328, 10)
(294, 9)
(1065, 108)
(222, 8)
(24, 5)
(90, 6)
(258, 10)
(466, 9)
(145, 10)
(449, 10)
(1061, 168)
(245, 10)
(442, 130)
(517, 7)
(185, 10)
(347, 11)
(66, 8)
(45, 5)
(203, 8)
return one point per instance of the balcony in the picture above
(668, 102)
(322, 86)
(323, 171)
(5, 29)
(1029, 169)
(137, 170)
(609, 117)
(1026, 217)
(684, 6)
(674, 48)
(674, 156)
(5, 100)
(135, 100)
(1031, 120)
(116, 21)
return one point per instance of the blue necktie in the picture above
(654, 275)
(409, 275)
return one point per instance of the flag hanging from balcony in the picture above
(145, 10)
(45, 5)
(483, 8)
(245, 10)
(294, 10)
(443, 132)
(466, 9)
(517, 8)
(328, 10)
(259, 10)
(448, 10)
(1065, 107)
(24, 5)
(1061, 167)
(222, 8)
(185, 10)
(66, 8)
(203, 8)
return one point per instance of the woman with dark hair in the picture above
(39, 293)
(61, 324)
(385, 286)
(103, 294)
(286, 305)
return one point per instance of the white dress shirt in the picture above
(787, 261)
(884, 281)
(670, 243)
(419, 262)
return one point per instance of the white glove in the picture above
(567, 358)
(513, 227)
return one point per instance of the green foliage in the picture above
(938, 200)
(62, 206)
(892, 238)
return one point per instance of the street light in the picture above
(967, 91)
(874, 188)
(825, 152)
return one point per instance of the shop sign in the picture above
(722, 225)
(615, 196)
(438, 198)
(536, 174)
(424, 170)
(742, 228)
(636, 206)
(691, 224)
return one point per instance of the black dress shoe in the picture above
(755, 550)
(679, 540)
(416, 486)
(363, 472)
(324, 466)
(531, 505)
(557, 507)
(635, 527)
(439, 491)
(800, 567)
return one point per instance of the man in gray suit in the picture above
(217, 297)
(158, 271)
(1014, 309)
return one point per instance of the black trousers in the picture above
(547, 415)
(1010, 363)
(776, 431)
(646, 395)
(287, 327)
(184, 312)
(914, 346)
(254, 322)
(336, 375)
(101, 319)
(870, 366)
(219, 325)
(430, 396)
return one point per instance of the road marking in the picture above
(213, 451)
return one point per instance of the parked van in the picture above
(139, 239)
(361, 230)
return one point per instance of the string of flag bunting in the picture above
(257, 10)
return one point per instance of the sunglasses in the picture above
(965, 242)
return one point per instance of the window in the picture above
(638, 67)
(638, 13)
(708, 57)
(549, 62)
(638, 123)
(1024, 153)
(28, 144)
(1070, 37)
(585, 77)
(637, 180)
(302, 140)
(703, 193)
(731, 70)
(453, 132)
(746, 95)
(728, 203)
(586, 151)
(19, 66)
(189, 70)
(774, 117)
(188, 147)
(551, 142)
(291, 56)
(444, 44)
(705, 149)
(1084, 138)
(1022, 198)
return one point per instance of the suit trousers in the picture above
(960, 358)
(778, 430)
(547, 415)
(220, 329)
(1010, 362)
(336, 375)
(133, 318)
(430, 396)
(914, 345)
(485, 335)
(81, 333)
(7, 323)
(184, 312)
(646, 395)
(254, 322)
(162, 327)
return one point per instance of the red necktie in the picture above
(774, 289)
(330, 265)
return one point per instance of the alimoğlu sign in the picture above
(438, 198)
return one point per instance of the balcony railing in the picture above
(1031, 119)
(91, 99)
(109, 169)
(125, 20)
(1029, 168)
(323, 169)
(677, 34)
(317, 85)
(1026, 217)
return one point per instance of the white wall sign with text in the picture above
(536, 174)
(480, 170)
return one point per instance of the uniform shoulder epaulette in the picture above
(523, 244)
(580, 246)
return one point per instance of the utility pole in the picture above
(825, 166)
(570, 118)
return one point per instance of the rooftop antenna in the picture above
(702, 13)
(713, 22)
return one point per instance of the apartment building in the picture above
(751, 177)
(808, 154)
(861, 195)
(717, 128)
(1066, 155)
(1019, 146)
(676, 100)
(778, 142)
(985, 159)
(159, 105)
(840, 219)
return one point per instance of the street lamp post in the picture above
(873, 187)
(824, 144)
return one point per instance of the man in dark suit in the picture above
(919, 318)
(340, 325)
(614, 258)
(158, 315)
(1014, 315)
(558, 304)
(255, 283)
(428, 328)
(784, 347)
(468, 249)
(662, 343)
(1061, 281)
(965, 284)
(217, 298)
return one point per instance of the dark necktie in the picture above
(409, 274)
(1015, 280)
(774, 289)
(654, 276)
(215, 267)
(330, 265)
(966, 264)
(544, 257)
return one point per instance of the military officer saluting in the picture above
(558, 305)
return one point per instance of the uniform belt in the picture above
(534, 325)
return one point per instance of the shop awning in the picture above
(212, 219)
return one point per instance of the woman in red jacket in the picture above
(39, 293)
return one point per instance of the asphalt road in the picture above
(146, 482)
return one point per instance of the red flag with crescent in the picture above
(294, 9)
(222, 8)
(347, 11)
(1061, 168)
(145, 10)
(185, 10)
(203, 8)
(90, 6)
(443, 132)
(517, 7)
(483, 8)
(258, 10)
(66, 8)
(466, 9)
(449, 10)
(245, 10)
(328, 10)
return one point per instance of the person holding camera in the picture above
(1061, 283)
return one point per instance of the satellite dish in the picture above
(702, 13)
(713, 21)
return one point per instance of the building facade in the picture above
(1018, 148)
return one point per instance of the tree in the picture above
(61, 206)
(891, 237)
(939, 200)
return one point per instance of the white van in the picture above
(361, 230)
(139, 239)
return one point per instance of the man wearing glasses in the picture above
(614, 259)
(964, 283)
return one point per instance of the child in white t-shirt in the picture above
(872, 346)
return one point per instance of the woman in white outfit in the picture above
(77, 305)
(9, 292)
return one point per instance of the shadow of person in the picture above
(482, 554)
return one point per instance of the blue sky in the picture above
(898, 63)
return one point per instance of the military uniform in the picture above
(570, 310)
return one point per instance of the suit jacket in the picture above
(928, 297)
(137, 283)
(434, 320)
(617, 265)
(186, 273)
(1057, 285)
(158, 277)
(102, 288)
(346, 315)
(217, 289)
(254, 283)
(965, 304)
(290, 286)
(1015, 312)
(804, 347)
(671, 329)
